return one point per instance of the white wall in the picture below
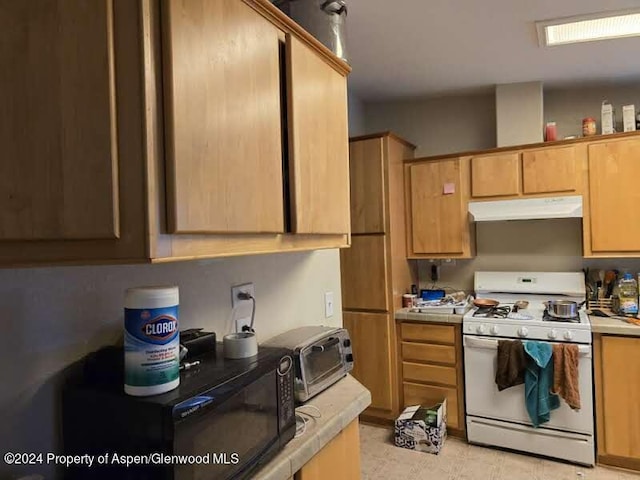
(468, 122)
(438, 125)
(356, 115)
(53, 316)
(568, 106)
(532, 245)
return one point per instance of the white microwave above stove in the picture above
(322, 356)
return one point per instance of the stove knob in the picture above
(568, 335)
(553, 334)
(494, 330)
(480, 329)
(523, 331)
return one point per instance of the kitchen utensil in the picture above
(563, 308)
(609, 282)
(485, 303)
(519, 305)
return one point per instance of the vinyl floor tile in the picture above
(381, 460)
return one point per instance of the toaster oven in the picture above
(322, 356)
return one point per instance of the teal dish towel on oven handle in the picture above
(538, 381)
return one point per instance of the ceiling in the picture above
(421, 48)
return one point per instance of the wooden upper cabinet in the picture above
(223, 116)
(437, 213)
(549, 171)
(366, 166)
(58, 130)
(495, 175)
(364, 271)
(614, 170)
(318, 142)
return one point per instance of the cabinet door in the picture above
(58, 131)
(614, 170)
(495, 175)
(223, 118)
(363, 269)
(318, 142)
(366, 168)
(418, 394)
(437, 217)
(338, 460)
(371, 338)
(621, 396)
(549, 171)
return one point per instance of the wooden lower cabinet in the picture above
(431, 356)
(338, 460)
(373, 353)
(617, 389)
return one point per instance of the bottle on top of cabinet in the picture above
(628, 293)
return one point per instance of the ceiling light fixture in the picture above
(589, 28)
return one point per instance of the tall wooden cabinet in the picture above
(617, 390)
(375, 271)
(167, 129)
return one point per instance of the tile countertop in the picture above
(613, 326)
(405, 314)
(340, 404)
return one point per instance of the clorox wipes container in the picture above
(151, 340)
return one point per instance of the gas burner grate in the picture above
(546, 317)
(492, 312)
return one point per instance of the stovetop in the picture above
(547, 317)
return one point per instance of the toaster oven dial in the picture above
(347, 343)
(349, 357)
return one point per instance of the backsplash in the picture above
(54, 316)
(531, 245)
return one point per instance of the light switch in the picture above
(328, 304)
(449, 188)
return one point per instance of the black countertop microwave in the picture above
(226, 419)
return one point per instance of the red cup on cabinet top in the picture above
(551, 132)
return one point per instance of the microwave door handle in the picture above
(329, 343)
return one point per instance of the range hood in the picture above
(527, 209)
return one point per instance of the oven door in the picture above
(239, 431)
(484, 399)
(322, 363)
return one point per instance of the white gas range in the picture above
(500, 418)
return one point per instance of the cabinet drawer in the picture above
(425, 394)
(417, 372)
(428, 333)
(429, 353)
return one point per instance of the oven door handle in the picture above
(328, 344)
(491, 344)
(477, 342)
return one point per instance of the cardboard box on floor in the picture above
(422, 428)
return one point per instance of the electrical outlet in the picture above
(328, 304)
(243, 307)
(242, 322)
(245, 288)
